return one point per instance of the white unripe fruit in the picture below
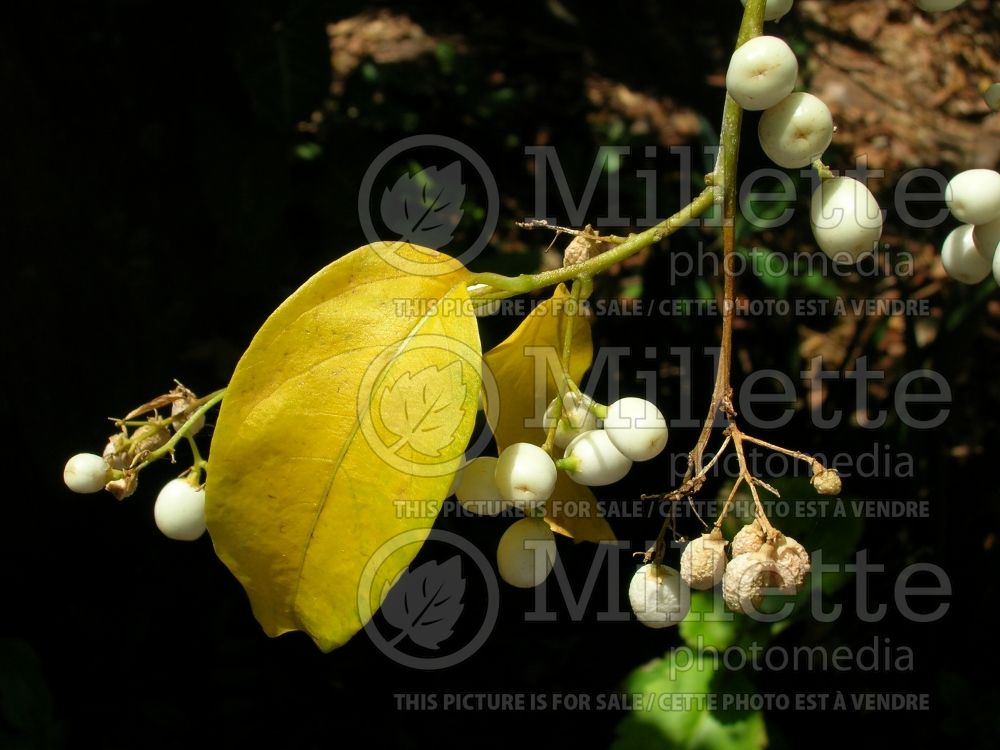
(703, 561)
(526, 553)
(748, 539)
(525, 475)
(961, 259)
(576, 417)
(179, 511)
(600, 462)
(996, 267)
(775, 9)
(761, 73)
(992, 97)
(658, 595)
(748, 576)
(974, 196)
(987, 239)
(86, 473)
(794, 559)
(936, 6)
(477, 490)
(796, 131)
(846, 219)
(636, 428)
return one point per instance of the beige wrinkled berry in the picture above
(181, 411)
(583, 247)
(123, 487)
(794, 558)
(827, 482)
(748, 576)
(703, 561)
(116, 451)
(748, 539)
(148, 438)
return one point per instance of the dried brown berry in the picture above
(794, 558)
(703, 561)
(583, 247)
(149, 438)
(749, 575)
(827, 482)
(748, 539)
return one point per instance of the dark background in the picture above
(161, 201)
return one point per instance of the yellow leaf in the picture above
(340, 432)
(524, 391)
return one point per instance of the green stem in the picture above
(500, 287)
(198, 463)
(207, 403)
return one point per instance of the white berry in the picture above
(180, 510)
(987, 239)
(974, 196)
(761, 73)
(477, 489)
(961, 259)
(703, 561)
(935, 6)
(599, 462)
(775, 9)
(996, 267)
(637, 428)
(796, 131)
(846, 219)
(86, 473)
(526, 553)
(525, 475)
(658, 596)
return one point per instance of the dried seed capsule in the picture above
(748, 539)
(748, 576)
(794, 558)
(827, 482)
(704, 561)
(148, 438)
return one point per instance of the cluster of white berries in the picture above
(970, 251)
(795, 130)
(179, 510)
(660, 595)
(596, 452)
